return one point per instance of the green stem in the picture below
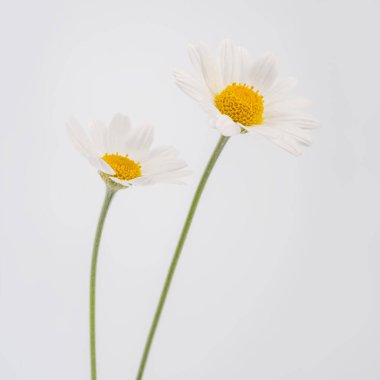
(210, 165)
(103, 213)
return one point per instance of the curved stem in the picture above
(103, 213)
(210, 165)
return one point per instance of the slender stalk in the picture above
(102, 217)
(169, 277)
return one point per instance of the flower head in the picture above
(123, 155)
(241, 96)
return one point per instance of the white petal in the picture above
(164, 167)
(269, 132)
(301, 134)
(98, 133)
(206, 65)
(191, 87)
(233, 62)
(120, 182)
(227, 61)
(225, 125)
(136, 181)
(280, 90)
(172, 177)
(209, 107)
(295, 118)
(243, 59)
(101, 165)
(279, 137)
(264, 73)
(290, 145)
(158, 158)
(286, 104)
(140, 142)
(167, 152)
(79, 138)
(118, 132)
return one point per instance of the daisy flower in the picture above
(123, 155)
(241, 96)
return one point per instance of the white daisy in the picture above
(243, 96)
(123, 156)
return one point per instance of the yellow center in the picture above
(125, 168)
(241, 103)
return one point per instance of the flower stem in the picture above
(102, 217)
(169, 277)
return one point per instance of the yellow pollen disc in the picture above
(125, 168)
(241, 103)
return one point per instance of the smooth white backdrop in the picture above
(279, 278)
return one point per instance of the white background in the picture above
(279, 278)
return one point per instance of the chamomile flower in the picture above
(123, 155)
(241, 96)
